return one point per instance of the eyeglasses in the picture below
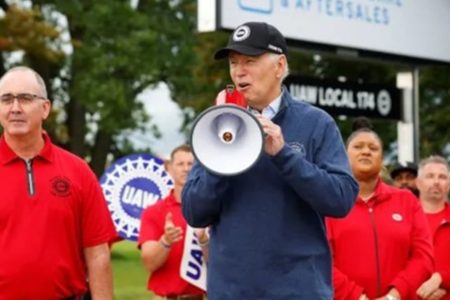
(23, 98)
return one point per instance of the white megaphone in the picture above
(226, 139)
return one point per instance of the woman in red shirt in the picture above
(382, 249)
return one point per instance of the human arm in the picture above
(438, 294)
(392, 294)
(97, 233)
(154, 253)
(344, 287)
(441, 252)
(430, 286)
(203, 240)
(321, 177)
(202, 195)
(420, 263)
(444, 274)
(98, 263)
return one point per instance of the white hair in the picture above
(433, 159)
(275, 57)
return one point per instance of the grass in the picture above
(130, 277)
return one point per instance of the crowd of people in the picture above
(311, 219)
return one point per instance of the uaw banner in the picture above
(130, 185)
(193, 265)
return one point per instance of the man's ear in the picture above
(281, 63)
(47, 106)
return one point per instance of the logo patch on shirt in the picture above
(397, 217)
(60, 186)
(297, 147)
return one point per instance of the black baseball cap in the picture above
(254, 38)
(402, 167)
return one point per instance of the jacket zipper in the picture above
(30, 179)
(377, 254)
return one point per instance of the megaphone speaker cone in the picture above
(227, 139)
(228, 125)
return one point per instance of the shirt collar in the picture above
(7, 154)
(270, 110)
(170, 200)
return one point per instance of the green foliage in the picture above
(27, 30)
(117, 51)
(435, 110)
(112, 64)
(130, 277)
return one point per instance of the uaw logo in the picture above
(130, 185)
(60, 186)
(241, 33)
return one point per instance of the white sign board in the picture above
(193, 267)
(416, 29)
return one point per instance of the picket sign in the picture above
(193, 265)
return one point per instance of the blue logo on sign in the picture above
(130, 185)
(258, 6)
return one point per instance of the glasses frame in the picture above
(23, 98)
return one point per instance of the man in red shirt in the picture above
(54, 222)
(162, 234)
(434, 185)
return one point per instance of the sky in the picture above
(167, 116)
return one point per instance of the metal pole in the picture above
(415, 108)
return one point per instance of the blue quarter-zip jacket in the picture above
(268, 239)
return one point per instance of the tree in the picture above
(116, 52)
(435, 110)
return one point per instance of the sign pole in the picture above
(405, 127)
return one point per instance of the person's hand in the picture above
(437, 294)
(430, 286)
(274, 140)
(172, 233)
(392, 293)
(363, 297)
(202, 236)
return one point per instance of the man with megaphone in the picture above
(266, 222)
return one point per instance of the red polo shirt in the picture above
(166, 280)
(50, 210)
